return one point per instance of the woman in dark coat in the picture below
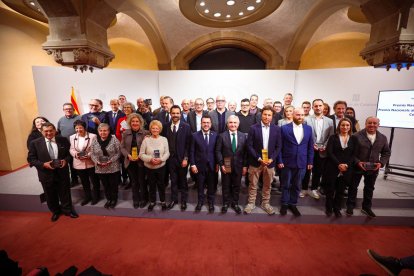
(341, 150)
(36, 131)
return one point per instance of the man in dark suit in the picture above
(95, 116)
(296, 157)
(178, 134)
(113, 116)
(339, 109)
(164, 115)
(50, 155)
(231, 156)
(185, 104)
(203, 163)
(194, 117)
(373, 153)
(263, 144)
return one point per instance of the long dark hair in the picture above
(34, 124)
(338, 128)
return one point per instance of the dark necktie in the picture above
(113, 117)
(166, 117)
(174, 129)
(206, 138)
(233, 142)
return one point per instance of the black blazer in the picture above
(202, 155)
(337, 155)
(352, 119)
(183, 141)
(224, 149)
(161, 117)
(38, 155)
(192, 121)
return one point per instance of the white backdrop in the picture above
(358, 86)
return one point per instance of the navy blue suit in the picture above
(202, 156)
(113, 122)
(295, 158)
(161, 117)
(231, 181)
(179, 147)
(255, 144)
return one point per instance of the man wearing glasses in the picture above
(220, 115)
(210, 104)
(95, 116)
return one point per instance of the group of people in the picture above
(153, 148)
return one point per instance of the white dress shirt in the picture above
(265, 134)
(54, 146)
(298, 132)
(231, 137)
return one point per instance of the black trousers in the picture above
(230, 183)
(178, 176)
(86, 176)
(369, 183)
(110, 183)
(156, 181)
(335, 193)
(206, 178)
(57, 191)
(139, 184)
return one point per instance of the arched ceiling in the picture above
(289, 30)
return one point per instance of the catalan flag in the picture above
(74, 102)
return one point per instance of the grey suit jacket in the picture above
(214, 119)
(377, 152)
(327, 131)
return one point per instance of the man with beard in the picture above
(95, 116)
(178, 134)
(296, 157)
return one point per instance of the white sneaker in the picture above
(314, 194)
(302, 193)
(268, 209)
(249, 208)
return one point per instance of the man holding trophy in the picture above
(263, 145)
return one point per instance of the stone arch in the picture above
(242, 40)
(310, 24)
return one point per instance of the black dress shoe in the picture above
(328, 212)
(224, 208)
(236, 208)
(294, 210)
(151, 206)
(113, 204)
(349, 211)
(183, 206)
(142, 204)
(211, 208)
(55, 217)
(198, 207)
(368, 212)
(107, 204)
(136, 205)
(85, 201)
(72, 214)
(283, 210)
(172, 204)
(163, 206)
(337, 213)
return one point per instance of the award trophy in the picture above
(227, 164)
(156, 154)
(82, 154)
(55, 163)
(103, 159)
(320, 146)
(369, 166)
(265, 155)
(134, 152)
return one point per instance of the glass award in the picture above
(369, 166)
(103, 159)
(55, 163)
(156, 154)
(134, 152)
(320, 146)
(227, 164)
(265, 155)
(82, 154)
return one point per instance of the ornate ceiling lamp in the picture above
(391, 43)
(227, 13)
(78, 32)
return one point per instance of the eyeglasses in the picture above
(67, 109)
(93, 105)
(245, 105)
(217, 101)
(209, 102)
